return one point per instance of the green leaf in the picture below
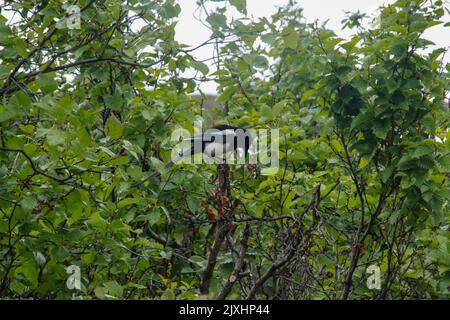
(240, 5)
(308, 94)
(21, 47)
(217, 21)
(134, 149)
(153, 217)
(266, 112)
(387, 173)
(381, 128)
(437, 214)
(30, 270)
(425, 148)
(40, 258)
(4, 71)
(200, 261)
(114, 102)
(21, 99)
(100, 292)
(6, 114)
(444, 162)
(119, 161)
(114, 127)
(325, 261)
(149, 114)
(291, 38)
(364, 147)
(114, 288)
(171, 11)
(74, 205)
(330, 44)
(279, 107)
(29, 128)
(46, 83)
(54, 136)
(168, 295)
(200, 66)
(362, 119)
(127, 202)
(28, 203)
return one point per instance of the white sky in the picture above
(190, 31)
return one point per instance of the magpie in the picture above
(216, 142)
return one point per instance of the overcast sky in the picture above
(192, 32)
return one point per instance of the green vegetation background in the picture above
(364, 155)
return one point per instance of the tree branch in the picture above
(236, 273)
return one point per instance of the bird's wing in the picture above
(208, 135)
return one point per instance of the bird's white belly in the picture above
(216, 149)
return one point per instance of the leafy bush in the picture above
(364, 156)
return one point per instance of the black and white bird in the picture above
(217, 142)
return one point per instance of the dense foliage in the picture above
(364, 155)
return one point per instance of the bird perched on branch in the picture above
(219, 141)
